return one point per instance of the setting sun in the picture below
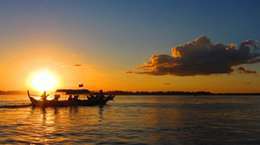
(43, 80)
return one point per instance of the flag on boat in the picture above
(81, 85)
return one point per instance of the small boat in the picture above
(92, 100)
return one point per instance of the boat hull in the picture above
(65, 103)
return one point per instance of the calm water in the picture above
(136, 120)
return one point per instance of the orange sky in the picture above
(19, 65)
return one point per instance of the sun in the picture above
(43, 80)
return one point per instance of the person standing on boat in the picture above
(44, 96)
(101, 92)
(100, 96)
(70, 98)
(56, 97)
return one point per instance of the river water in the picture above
(136, 120)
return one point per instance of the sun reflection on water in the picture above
(135, 120)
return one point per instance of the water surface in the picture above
(177, 120)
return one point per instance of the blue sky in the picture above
(127, 27)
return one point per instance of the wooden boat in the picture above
(90, 101)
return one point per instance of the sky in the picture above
(124, 44)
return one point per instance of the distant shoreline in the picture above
(146, 93)
(175, 93)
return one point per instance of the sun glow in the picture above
(43, 80)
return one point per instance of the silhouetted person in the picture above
(100, 96)
(70, 98)
(76, 98)
(56, 97)
(44, 96)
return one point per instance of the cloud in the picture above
(244, 70)
(202, 57)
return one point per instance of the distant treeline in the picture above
(157, 93)
(118, 92)
(174, 93)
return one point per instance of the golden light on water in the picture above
(43, 80)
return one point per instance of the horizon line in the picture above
(147, 92)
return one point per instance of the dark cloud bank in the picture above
(202, 57)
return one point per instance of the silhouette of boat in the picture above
(92, 100)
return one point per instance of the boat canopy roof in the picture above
(73, 91)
